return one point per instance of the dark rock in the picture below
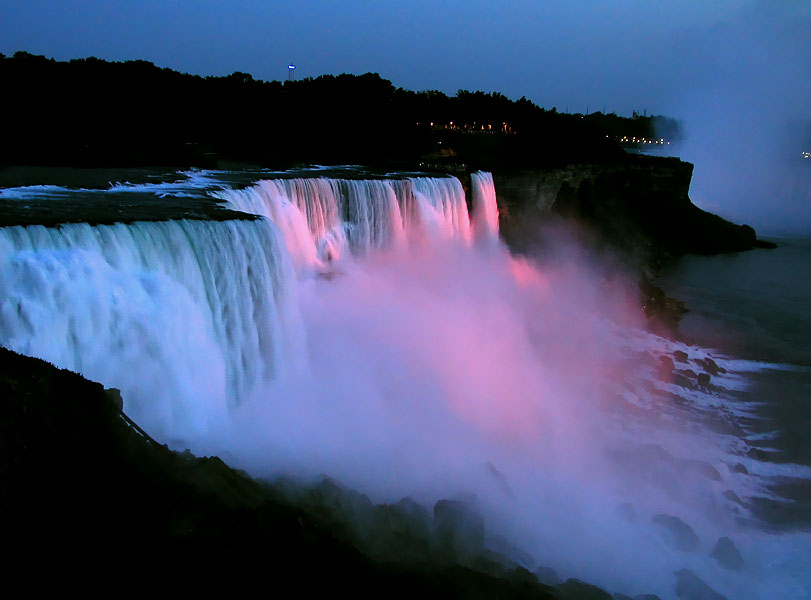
(727, 554)
(689, 586)
(548, 576)
(688, 373)
(114, 394)
(680, 356)
(459, 528)
(739, 468)
(666, 367)
(575, 589)
(680, 535)
(703, 468)
(703, 379)
(682, 381)
(647, 597)
(733, 497)
(709, 366)
(74, 467)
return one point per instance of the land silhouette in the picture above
(94, 113)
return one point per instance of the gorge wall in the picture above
(640, 208)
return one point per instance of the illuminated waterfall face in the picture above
(378, 332)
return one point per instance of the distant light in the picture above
(291, 66)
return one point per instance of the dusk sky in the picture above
(619, 55)
(736, 71)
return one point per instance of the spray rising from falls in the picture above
(377, 331)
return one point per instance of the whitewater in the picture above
(378, 331)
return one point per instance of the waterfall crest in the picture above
(321, 218)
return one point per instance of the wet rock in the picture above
(710, 366)
(703, 379)
(703, 468)
(727, 554)
(580, 590)
(689, 373)
(680, 356)
(680, 535)
(548, 576)
(739, 468)
(690, 586)
(666, 367)
(733, 497)
(622, 597)
(682, 381)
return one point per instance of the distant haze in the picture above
(735, 70)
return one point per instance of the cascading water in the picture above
(420, 366)
(485, 208)
(183, 316)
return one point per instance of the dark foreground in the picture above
(81, 487)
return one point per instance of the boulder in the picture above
(733, 497)
(689, 586)
(680, 356)
(666, 367)
(679, 534)
(739, 468)
(727, 554)
(709, 366)
(703, 379)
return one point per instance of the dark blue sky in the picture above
(735, 70)
(613, 54)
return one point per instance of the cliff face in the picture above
(639, 212)
(640, 208)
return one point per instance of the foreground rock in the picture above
(84, 488)
(727, 554)
(690, 586)
(678, 534)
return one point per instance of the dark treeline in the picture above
(91, 112)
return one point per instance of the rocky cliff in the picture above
(639, 210)
(641, 207)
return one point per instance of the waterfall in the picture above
(423, 367)
(184, 316)
(485, 209)
(188, 317)
(321, 218)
